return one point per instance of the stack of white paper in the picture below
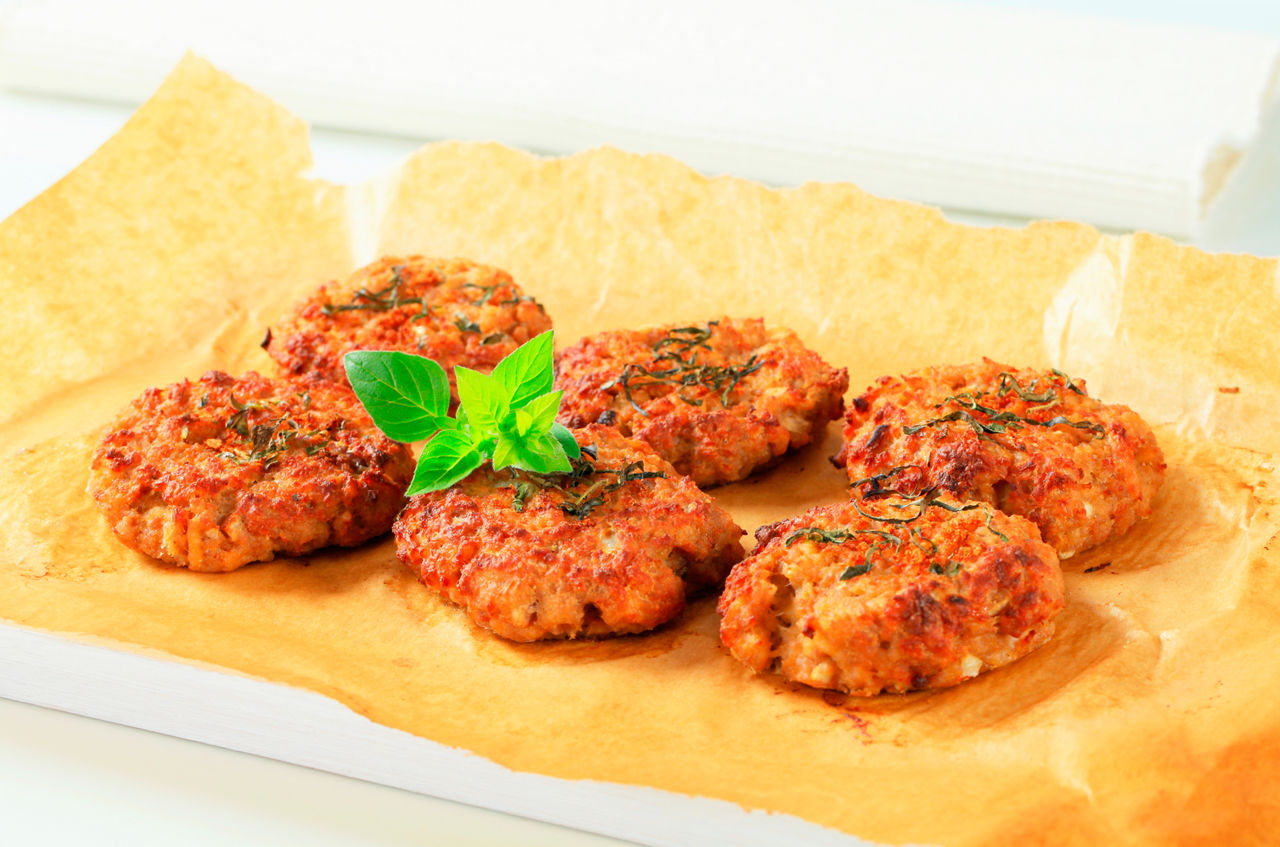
(1031, 114)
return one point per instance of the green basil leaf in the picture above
(446, 459)
(506, 452)
(543, 454)
(508, 416)
(539, 454)
(483, 399)
(407, 396)
(543, 410)
(528, 371)
(568, 443)
(524, 423)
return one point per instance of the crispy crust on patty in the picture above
(957, 593)
(718, 401)
(540, 573)
(1080, 484)
(217, 473)
(453, 311)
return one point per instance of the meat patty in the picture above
(217, 473)
(891, 594)
(613, 547)
(717, 401)
(1030, 442)
(451, 310)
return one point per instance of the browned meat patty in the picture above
(1030, 442)
(612, 548)
(453, 311)
(718, 401)
(217, 473)
(837, 599)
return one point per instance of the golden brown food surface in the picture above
(851, 597)
(718, 401)
(220, 472)
(453, 311)
(613, 548)
(1030, 442)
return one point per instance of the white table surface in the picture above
(66, 779)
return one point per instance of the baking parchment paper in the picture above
(1152, 717)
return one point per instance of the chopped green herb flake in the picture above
(912, 504)
(676, 364)
(515, 301)
(521, 491)
(991, 529)
(987, 421)
(486, 291)
(1007, 383)
(1071, 384)
(268, 441)
(599, 483)
(855, 570)
(836, 536)
(381, 300)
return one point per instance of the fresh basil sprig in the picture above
(507, 417)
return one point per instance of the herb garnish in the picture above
(578, 504)
(515, 301)
(382, 300)
(386, 299)
(987, 421)
(239, 422)
(912, 504)
(267, 441)
(507, 417)
(1007, 382)
(676, 363)
(487, 292)
(836, 536)
(921, 501)
(840, 536)
(1071, 385)
(686, 338)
